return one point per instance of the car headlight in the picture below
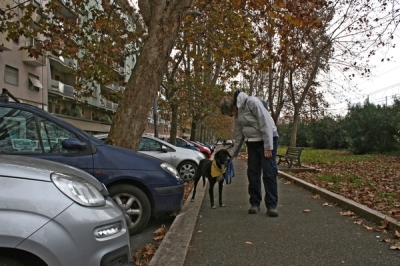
(170, 169)
(78, 189)
(200, 154)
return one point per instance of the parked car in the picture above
(219, 142)
(54, 214)
(180, 142)
(141, 185)
(229, 143)
(209, 146)
(204, 150)
(184, 160)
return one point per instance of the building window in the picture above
(32, 42)
(34, 83)
(11, 75)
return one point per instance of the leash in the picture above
(230, 173)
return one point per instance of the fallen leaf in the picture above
(327, 204)
(316, 196)
(358, 222)
(288, 183)
(387, 240)
(348, 213)
(397, 234)
(158, 238)
(248, 243)
(307, 210)
(161, 231)
(396, 246)
(384, 225)
(368, 227)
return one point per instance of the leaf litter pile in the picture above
(374, 182)
(143, 256)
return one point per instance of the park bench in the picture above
(292, 156)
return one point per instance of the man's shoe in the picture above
(272, 212)
(254, 210)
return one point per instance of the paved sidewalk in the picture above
(230, 236)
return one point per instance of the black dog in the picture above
(214, 171)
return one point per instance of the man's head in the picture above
(227, 106)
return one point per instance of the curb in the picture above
(174, 246)
(359, 209)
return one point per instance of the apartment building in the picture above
(47, 83)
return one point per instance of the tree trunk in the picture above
(293, 134)
(129, 121)
(174, 124)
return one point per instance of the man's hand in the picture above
(268, 154)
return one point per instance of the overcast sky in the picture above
(383, 84)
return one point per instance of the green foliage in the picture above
(365, 129)
(284, 131)
(284, 134)
(327, 133)
(370, 128)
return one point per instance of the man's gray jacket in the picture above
(252, 123)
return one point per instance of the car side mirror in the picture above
(73, 144)
(163, 148)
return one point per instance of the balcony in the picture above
(65, 10)
(4, 44)
(120, 71)
(108, 105)
(59, 87)
(115, 87)
(61, 63)
(36, 62)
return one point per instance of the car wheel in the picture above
(134, 203)
(187, 170)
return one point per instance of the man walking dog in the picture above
(254, 124)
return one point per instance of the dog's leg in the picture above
(220, 186)
(211, 191)
(196, 180)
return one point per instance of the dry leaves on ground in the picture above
(143, 256)
(374, 183)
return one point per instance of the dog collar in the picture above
(215, 171)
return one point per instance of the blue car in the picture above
(140, 184)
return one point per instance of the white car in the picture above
(184, 160)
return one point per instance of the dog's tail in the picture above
(204, 180)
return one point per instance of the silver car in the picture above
(54, 214)
(185, 160)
